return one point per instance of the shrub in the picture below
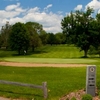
(98, 85)
(73, 98)
(86, 97)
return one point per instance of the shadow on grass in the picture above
(39, 52)
(31, 52)
(7, 53)
(26, 94)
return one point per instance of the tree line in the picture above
(82, 28)
(26, 37)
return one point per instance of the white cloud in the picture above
(48, 6)
(95, 4)
(11, 11)
(15, 13)
(11, 7)
(32, 10)
(79, 7)
(8, 14)
(50, 21)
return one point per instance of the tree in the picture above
(60, 38)
(95, 25)
(51, 39)
(34, 30)
(5, 31)
(43, 37)
(0, 41)
(76, 27)
(19, 38)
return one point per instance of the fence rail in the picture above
(43, 86)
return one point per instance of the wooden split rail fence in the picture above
(43, 86)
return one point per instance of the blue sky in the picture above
(49, 13)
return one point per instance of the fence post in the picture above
(45, 90)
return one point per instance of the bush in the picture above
(87, 97)
(73, 98)
(98, 85)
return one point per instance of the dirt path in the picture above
(17, 64)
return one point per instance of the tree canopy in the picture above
(80, 29)
(34, 30)
(19, 38)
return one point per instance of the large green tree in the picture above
(34, 30)
(19, 38)
(77, 28)
(95, 25)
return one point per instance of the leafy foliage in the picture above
(87, 97)
(80, 30)
(19, 38)
(73, 98)
(4, 36)
(34, 30)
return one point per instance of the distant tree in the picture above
(5, 31)
(77, 29)
(0, 41)
(51, 39)
(19, 38)
(43, 37)
(34, 30)
(60, 38)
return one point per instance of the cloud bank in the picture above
(15, 13)
(95, 4)
(51, 21)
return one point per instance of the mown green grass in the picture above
(49, 54)
(57, 51)
(60, 81)
(48, 51)
(50, 60)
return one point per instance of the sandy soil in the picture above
(17, 64)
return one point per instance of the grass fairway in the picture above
(49, 54)
(57, 51)
(54, 51)
(59, 80)
(50, 60)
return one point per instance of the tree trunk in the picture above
(85, 53)
(19, 52)
(33, 48)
